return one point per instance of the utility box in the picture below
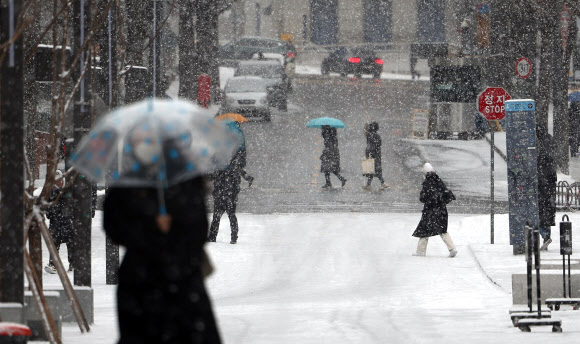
(522, 169)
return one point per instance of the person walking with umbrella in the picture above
(330, 158)
(154, 155)
(226, 187)
(373, 151)
(435, 195)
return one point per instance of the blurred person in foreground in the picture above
(435, 195)
(161, 297)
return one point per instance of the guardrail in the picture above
(568, 196)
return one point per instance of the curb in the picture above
(496, 149)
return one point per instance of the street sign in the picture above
(523, 67)
(204, 90)
(491, 103)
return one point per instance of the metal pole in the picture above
(154, 48)
(528, 234)
(564, 275)
(569, 279)
(536, 240)
(492, 182)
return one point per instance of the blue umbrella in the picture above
(331, 122)
(574, 97)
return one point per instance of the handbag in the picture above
(368, 166)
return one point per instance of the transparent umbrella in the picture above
(155, 143)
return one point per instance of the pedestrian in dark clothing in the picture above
(242, 158)
(330, 158)
(61, 223)
(226, 187)
(161, 297)
(373, 151)
(435, 195)
(547, 179)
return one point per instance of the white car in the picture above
(248, 96)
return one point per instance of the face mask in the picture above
(147, 153)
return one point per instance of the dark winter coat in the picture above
(61, 221)
(547, 179)
(373, 149)
(435, 197)
(161, 297)
(226, 183)
(330, 158)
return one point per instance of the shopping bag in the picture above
(368, 166)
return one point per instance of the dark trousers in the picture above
(327, 177)
(379, 175)
(218, 211)
(246, 176)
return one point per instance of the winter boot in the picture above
(367, 187)
(452, 253)
(250, 181)
(384, 186)
(51, 269)
(327, 186)
(343, 181)
(545, 245)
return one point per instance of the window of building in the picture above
(324, 21)
(430, 21)
(378, 21)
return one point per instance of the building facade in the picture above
(338, 22)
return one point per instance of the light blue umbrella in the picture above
(331, 122)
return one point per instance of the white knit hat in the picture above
(427, 168)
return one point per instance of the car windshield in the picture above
(245, 85)
(268, 71)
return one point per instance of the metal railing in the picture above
(568, 196)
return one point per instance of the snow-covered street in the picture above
(351, 278)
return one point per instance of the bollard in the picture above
(566, 250)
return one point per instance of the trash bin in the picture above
(12, 333)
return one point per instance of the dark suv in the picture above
(357, 61)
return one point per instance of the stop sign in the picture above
(491, 103)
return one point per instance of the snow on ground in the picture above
(463, 165)
(351, 278)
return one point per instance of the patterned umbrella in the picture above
(155, 143)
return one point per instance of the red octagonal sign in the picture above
(491, 103)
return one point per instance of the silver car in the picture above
(248, 96)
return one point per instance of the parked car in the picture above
(248, 96)
(245, 48)
(278, 83)
(357, 61)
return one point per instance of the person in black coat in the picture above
(226, 187)
(161, 296)
(373, 151)
(330, 158)
(61, 223)
(435, 195)
(547, 180)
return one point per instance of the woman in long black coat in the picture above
(161, 297)
(330, 158)
(373, 151)
(435, 195)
